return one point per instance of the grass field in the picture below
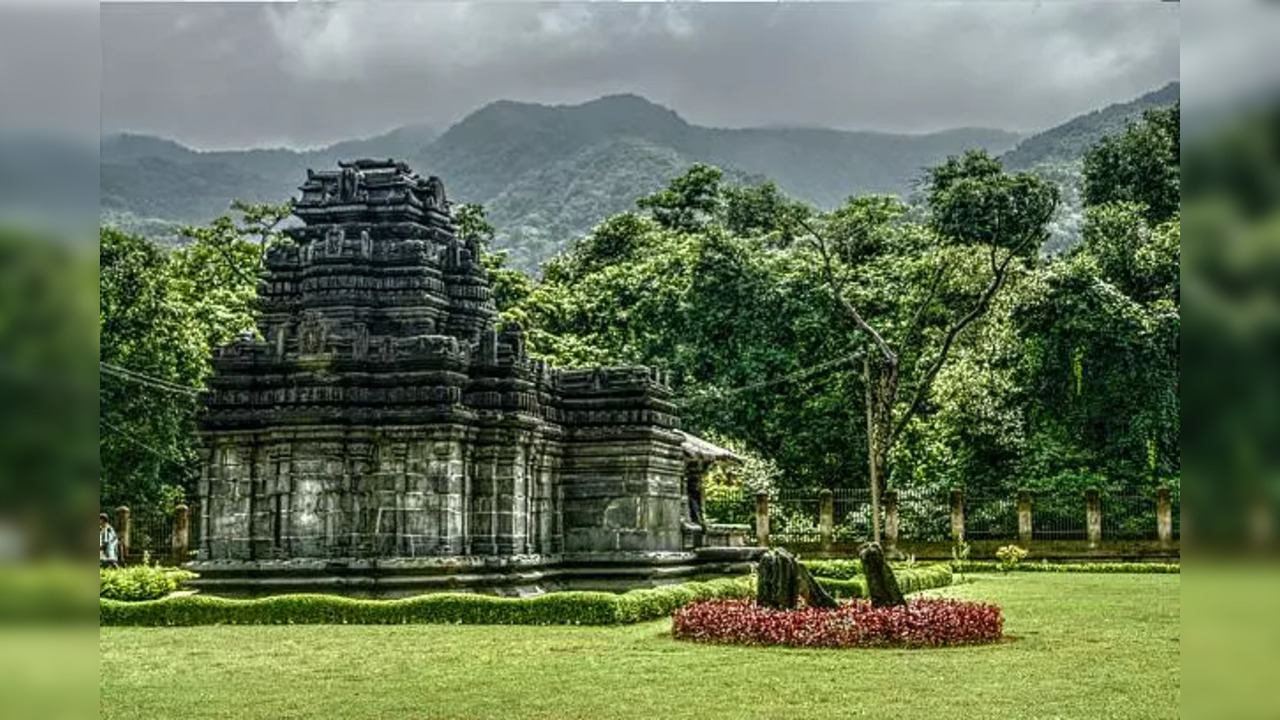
(1082, 646)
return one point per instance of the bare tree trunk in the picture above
(872, 465)
(881, 395)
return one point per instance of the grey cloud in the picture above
(306, 74)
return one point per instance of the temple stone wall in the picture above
(383, 413)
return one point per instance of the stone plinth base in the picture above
(514, 576)
(724, 535)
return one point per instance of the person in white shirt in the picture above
(108, 543)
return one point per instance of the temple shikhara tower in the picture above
(385, 419)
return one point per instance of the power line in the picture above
(148, 447)
(149, 380)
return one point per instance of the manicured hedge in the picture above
(838, 569)
(978, 566)
(910, 580)
(920, 623)
(561, 608)
(140, 582)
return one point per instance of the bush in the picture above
(838, 569)
(920, 623)
(1009, 557)
(910, 580)
(562, 608)
(140, 582)
(1046, 566)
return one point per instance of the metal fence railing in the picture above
(795, 516)
(991, 517)
(1129, 517)
(150, 537)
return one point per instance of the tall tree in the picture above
(1141, 165)
(974, 206)
(161, 313)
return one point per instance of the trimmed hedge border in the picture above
(559, 608)
(852, 569)
(838, 569)
(982, 566)
(910, 580)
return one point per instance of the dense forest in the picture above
(987, 365)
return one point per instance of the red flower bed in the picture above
(921, 623)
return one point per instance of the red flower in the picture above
(920, 623)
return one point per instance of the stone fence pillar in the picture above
(181, 534)
(762, 519)
(827, 519)
(957, 515)
(122, 532)
(1024, 517)
(890, 521)
(1164, 517)
(1093, 517)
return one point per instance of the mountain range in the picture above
(547, 174)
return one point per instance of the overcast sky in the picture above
(239, 75)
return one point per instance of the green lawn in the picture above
(1084, 646)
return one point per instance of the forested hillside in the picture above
(1058, 155)
(519, 158)
(548, 174)
(153, 186)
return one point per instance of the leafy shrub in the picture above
(1046, 566)
(562, 608)
(854, 587)
(140, 582)
(920, 623)
(1010, 556)
(923, 577)
(838, 569)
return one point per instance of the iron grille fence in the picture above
(927, 516)
(991, 517)
(150, 537)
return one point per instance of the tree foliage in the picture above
(1141, 165)
(989, 367)
(161, 314)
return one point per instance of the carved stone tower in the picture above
(383, 416)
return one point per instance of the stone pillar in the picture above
(1024, 517)
(1164, 517)
(957, 515)
(181, 534)
(762, 519)
(122, 532)
(826, 519)
(1093, 517)
(890, 521)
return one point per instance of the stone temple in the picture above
(385, 432)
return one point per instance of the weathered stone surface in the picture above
(384, 414)
(882, 586)
(782, 581)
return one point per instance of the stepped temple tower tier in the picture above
(384, 418)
